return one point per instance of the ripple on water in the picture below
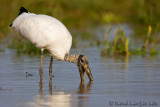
(115, 79)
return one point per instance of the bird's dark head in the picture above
(82, 63)
(82, 60)
(83, 66)
(22, 10)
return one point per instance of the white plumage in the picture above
(45, 32)
(48, 33)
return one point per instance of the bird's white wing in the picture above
(45, 32)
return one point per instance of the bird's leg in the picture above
(50, 67)
(50, 85)
(41, 91)
(40, 71)
(41, 58)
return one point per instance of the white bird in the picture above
(49, 33)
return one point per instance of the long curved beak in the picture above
(88, 72)
(83, 67)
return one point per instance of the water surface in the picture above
(118, 81)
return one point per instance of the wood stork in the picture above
(49, 33)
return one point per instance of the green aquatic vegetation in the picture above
(23, 46)
(121, 45)
(120, 42)
(127, 46)
(147, 38)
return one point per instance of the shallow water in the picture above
(118, 81)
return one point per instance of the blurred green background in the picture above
(84, 13)
(80, 15)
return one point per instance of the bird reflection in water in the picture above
(83, 89)
(41, 87)
(83, 99)
(61, 98)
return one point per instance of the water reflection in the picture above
(41, 87)
(132, 78)
(83, 89)
(121, 68)
(57, 98)
(83, 100)
(50, 85)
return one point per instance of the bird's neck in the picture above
(71, 58)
